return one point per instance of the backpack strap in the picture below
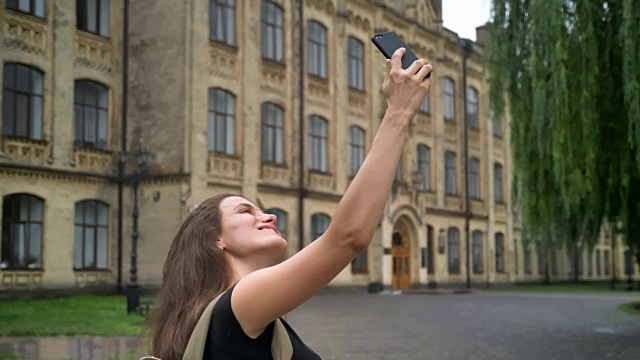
(281, 348)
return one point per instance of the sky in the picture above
(463, 16)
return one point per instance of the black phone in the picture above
(389, 42)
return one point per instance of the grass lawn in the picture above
(585, 287)
(631, 308)
(76, 315)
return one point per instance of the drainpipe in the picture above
(467, 51)
(123, 137)
(301, 190)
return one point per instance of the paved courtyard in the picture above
(482, 325)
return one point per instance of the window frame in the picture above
(96, 226)
(318, 144)
(317, 53)
(472, 108)
(477, 244)
(224, 118)
(453, 258)
(101, 90)
(33, 5)
(474, 178)
(498, 183)
(499, 253)
(12, 221)
(450, 175)
(272, 32)
(272, 123)
(31, 99)
(317, 221)
(356, 148)
(449, 99)
(225, 7)
(424, 165)
(101, 23)
(355, 63)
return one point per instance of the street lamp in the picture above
(133, 290)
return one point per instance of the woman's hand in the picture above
(404, 90)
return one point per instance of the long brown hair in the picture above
(194, 273)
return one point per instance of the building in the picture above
(219, 95)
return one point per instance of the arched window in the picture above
(356, 149)
(317, 45)
(453, 243)
(272, 34)
(477, 252)
(22, 101)
(222, 121)
(319, 224)
(91, 113)
(272, 134)
(472, 108)
(499, 252)
(355, 63)
(424, 165)
(281, 220)
(91, 245)
(22, 231)
(318, 147)
(448, 99)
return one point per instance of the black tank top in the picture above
(227, 341)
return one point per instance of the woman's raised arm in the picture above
(266, 294)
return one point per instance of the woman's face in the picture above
(248, 233)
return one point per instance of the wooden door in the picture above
(401, 262)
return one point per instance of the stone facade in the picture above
(173, 62)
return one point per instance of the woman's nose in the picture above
(269, 218)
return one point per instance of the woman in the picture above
(228, 245)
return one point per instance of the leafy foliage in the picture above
(568, 71)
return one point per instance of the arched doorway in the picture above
(401, 257)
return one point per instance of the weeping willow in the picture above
(568, 74)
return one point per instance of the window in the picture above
(22, 217)
(448, 97)
(22, 94)
(272, 134)
(527, 260)
(424, 165)
(318, 144)
(356, 149)
(598, 263)
(542, 264)
(91, 112)
(450, 173)
(474, 178)
(497, 183)
(477, 251)
(93, 16)
(281, 220)
(360, 265)
(472, 108)
(607, 263)
(317, 56)
(91, 235)
(272, 33)
(497, 125)
(222, 21)
(499, 252)
(454, 250)
(222, 121)
(355, 50)
(31, 7)
(319, 224)
(425, 107)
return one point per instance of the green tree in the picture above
(568, 71)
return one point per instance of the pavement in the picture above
(396, 325)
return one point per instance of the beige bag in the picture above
(281, 348)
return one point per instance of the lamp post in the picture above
(133, 290)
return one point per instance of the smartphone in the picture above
(389, 42)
